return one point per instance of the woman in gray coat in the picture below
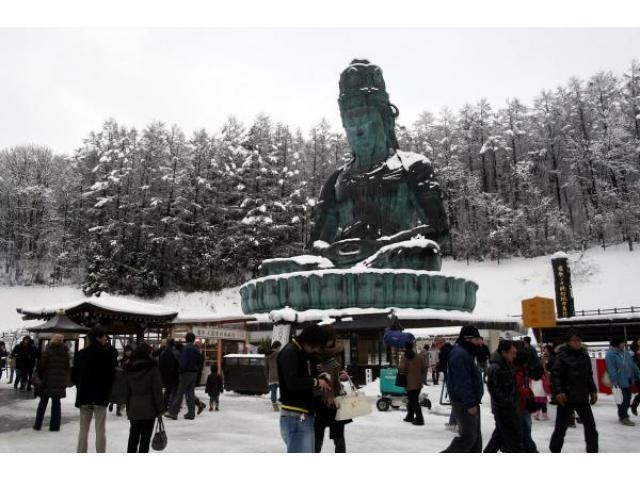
(53, 371)
(144, 397)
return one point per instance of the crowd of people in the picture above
(520, 383)
(308, 374)
(147, 384)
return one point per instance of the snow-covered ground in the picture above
(601, 279)
(248, 424)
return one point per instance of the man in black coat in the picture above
(26, 355)
(443, 357)
(574, 390)
(503, 388)
(93, 374)
(482, 356)
(168, 363)
(297, 385)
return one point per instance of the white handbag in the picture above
(538, 389)
(352, 404)
(617, 394)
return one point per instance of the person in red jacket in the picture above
(526, 401)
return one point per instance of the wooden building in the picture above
(125, 320)
(595, 326)
(361, 331)
(218, 335)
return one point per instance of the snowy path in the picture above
(247, 424)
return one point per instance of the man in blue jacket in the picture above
(464, 382)
(189, 364)
(623, 373)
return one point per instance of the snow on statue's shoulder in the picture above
(321, 262)
(405, 160)
(559, 255)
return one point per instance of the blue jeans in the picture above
(273, 389)
(298, 433)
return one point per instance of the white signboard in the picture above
(281, 333)
(221, 333)
(368, 376)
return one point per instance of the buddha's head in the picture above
(367, 115)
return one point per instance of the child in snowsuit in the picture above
(214, 387)
(538, 373)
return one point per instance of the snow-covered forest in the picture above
(146, 212)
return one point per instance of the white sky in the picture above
(56, 85)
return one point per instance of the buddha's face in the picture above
(365, 132)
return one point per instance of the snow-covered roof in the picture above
(105, 302)
(402, 314)
(211, 318)
(435, 331)
(603, 316)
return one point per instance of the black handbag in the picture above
(401, 380)
(531, 404)
(159, 441)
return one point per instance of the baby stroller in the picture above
(393, 396)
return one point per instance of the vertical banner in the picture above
(562, 280)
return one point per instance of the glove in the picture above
(594, 397)
(561, 398)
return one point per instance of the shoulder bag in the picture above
(352, 404)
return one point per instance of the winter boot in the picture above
(210, 406)
(217, 404)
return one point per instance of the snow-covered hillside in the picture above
(601, 279)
